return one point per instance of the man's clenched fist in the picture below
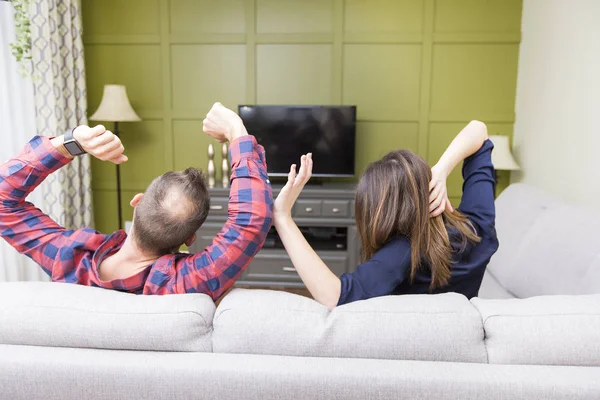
(223, 124)
(102, 144)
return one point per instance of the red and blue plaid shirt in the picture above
(75, 255)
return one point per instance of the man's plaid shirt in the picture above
(75, 255)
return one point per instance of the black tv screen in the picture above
(287, 132)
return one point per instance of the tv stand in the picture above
(324, 213)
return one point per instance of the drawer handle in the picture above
(216, 208)
(336, 210)
(289, 269)
(308, 209)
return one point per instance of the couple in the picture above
(412, 240)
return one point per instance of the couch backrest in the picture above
(546, 246)
(544, 330)
(68, 315)
(443, 327)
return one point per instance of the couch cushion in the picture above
(491, 289)
(68, 315)
(443, 327)
(517, 209)
(546, 247)
(559, 255)
(545, 330)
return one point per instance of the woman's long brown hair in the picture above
(392, 199)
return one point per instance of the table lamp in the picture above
(115, 107)
(502, 157)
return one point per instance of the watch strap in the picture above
(69, 134)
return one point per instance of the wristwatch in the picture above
(72, 146)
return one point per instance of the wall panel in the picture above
(383, 16)
(193, 18)
(118, 17)
(205, 73)
(285, 76)
(291, 16)
(478, 16)
(473, 81)
(135, 65)
(383, 81)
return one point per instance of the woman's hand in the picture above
(282, 208)
(438, 193)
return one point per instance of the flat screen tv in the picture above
(287, 132)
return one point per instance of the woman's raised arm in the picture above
(323, 285)
(466, 143)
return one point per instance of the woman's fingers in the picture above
(302, 172)
(435, 193)
(444, 205)
(309, 166)
(292, 174)
(435, 197)
(436, 203)
(439, 210)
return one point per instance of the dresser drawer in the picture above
(218, 206)
(336, 208)
(277, 266)
(307, 208)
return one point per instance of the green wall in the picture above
(418, 71)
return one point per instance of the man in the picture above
(166, 216)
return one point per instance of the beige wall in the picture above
(557, 128)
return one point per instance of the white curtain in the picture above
(60, 104)
(17, 127)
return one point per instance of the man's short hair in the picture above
(172, 209)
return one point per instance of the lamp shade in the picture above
(115, 106)
(502, 158)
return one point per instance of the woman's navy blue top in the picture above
(388, 271)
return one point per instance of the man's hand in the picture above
(282, 208)
(223, 124)
(438, 193)
(102, 144)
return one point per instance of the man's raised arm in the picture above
(22, 225)
(250, 214)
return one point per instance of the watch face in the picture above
(73, 148)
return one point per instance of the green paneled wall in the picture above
(417, 69)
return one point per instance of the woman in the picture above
(412, 240)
